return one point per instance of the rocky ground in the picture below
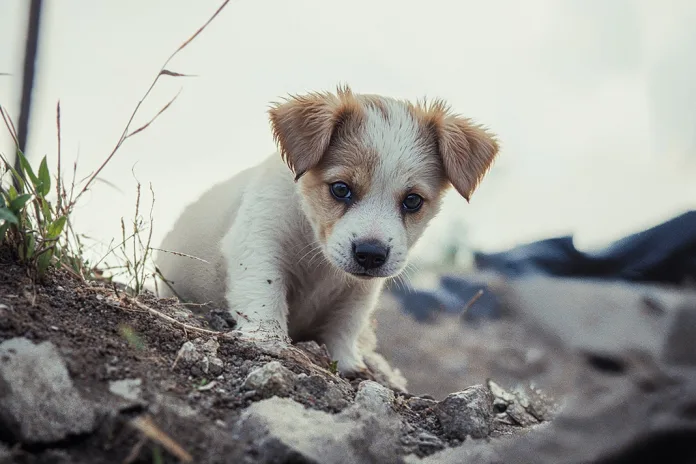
(90, 375)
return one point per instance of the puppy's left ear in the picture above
(303, 126)
(467, 151)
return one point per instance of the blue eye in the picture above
(412, 202)
(340, 191)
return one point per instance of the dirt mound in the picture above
(91, 375)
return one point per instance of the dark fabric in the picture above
(451, 296)
(665, 253)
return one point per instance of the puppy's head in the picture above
(372, 171)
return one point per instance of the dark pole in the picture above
(30, 52)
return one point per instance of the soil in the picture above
(105, 336)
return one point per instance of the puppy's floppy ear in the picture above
(303, 126)
(467, 152)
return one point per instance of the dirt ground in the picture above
(105, 337)
(447, 355)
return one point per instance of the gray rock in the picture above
(469, 452)
(374, 397)
(271, 379)
(594, 317)
(210, 347)
(200, 356)
(281, 430)
(679, 345)
(188, 353)
(215, 366)
(416, 403)
(38, 402)
(6, 455)
(623, 424)
(466, 413)
(129, 389)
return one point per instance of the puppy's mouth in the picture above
(363, 275)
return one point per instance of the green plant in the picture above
(31, 226)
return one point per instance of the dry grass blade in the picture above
(135, 451)
(183, 255)
(200, 29)
(126, 130)
(471, 302)
(58, 176)
(10, 126)
(147, 427)
(147, 124)
(166, 72)
(171, 320)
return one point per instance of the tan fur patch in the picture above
(467, 149)
(324, 209)
(303, 125)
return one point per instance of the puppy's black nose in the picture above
(370, 255)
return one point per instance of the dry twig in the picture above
(471, 302)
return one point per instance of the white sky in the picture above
(593, 100)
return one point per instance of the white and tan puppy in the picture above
(300, 245)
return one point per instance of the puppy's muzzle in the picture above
(370, 254)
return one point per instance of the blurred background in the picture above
(592, 101)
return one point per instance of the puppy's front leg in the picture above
(345, 324)
(256, 292)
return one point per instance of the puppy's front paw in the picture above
(262, 332)
(350, 365)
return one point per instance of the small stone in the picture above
(418, 403)
(188, 354)
(466, 413)
(39, 404)
(271, 379)
(191, 356)
(129, 389)
(334, 398)
(215, 366)
(204, 365)
(374, 397)
(211, 347)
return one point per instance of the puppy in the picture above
(300, 246)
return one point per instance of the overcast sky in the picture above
(593, 100)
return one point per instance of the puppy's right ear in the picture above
(303, 126)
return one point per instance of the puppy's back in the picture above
(198, 232)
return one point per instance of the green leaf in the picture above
(56, 227)
(46, 210)
(26, 167)
(18, 203)
(8, 216)
(12, 192)
(3, 230)
(44, 261)
(31, 247)
(44, 178)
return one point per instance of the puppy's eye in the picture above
(340, 191)
(413, 202)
